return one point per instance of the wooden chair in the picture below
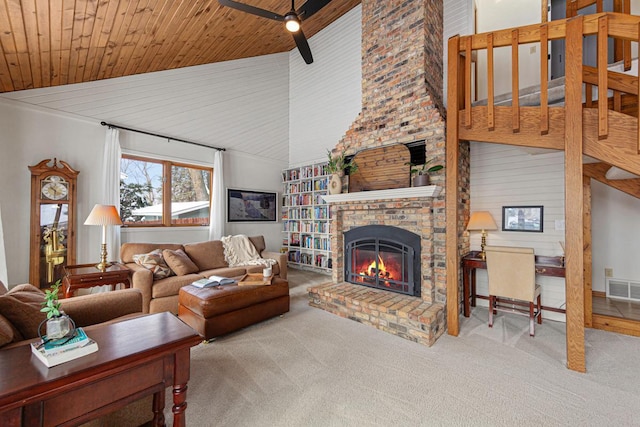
(512, 275)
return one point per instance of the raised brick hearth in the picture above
(419, 319)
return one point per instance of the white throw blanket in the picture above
(238, 250)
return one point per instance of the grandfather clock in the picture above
(53, 221)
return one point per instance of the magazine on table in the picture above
(78, 339)
(63, 354)
(213, 281)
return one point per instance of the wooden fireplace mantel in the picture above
(394, 193)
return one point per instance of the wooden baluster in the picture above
(571, 8)
(467, 83)
(515, 82)
(603, 101)
(617, 101)
(626, 44)
(617, 43)
(588, 95)
(544, 80)
(638, 95)
(490, 107)
(599, 8)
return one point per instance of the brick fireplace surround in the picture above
(401, 102)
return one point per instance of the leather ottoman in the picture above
(219, 310)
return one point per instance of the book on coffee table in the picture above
(213, 281)
(255, 279)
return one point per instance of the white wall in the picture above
(325, 96)
(498, 15)
(457, 19)
(503, 175)
(615, 234)
(32, 133)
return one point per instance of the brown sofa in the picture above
(162, 294)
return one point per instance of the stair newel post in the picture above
(574, 239)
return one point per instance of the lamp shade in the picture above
(481, 220)
(103, 215)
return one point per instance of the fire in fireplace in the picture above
(383, 257)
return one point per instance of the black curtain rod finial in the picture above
(168, 138)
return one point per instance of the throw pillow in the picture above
(179, 262)
(8, 332)
(21, 307)
(155, 262)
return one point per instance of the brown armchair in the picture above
(512, 277)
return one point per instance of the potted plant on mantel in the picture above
(337, 166)
(420, 173)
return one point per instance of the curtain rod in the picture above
(170, 138)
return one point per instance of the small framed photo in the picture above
(251, 206)
(522, 218)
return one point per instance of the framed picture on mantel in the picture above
(522, 218)
(251, 206)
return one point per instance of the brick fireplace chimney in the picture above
(402, 52)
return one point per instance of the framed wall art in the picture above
(251, 206)
(522, 218)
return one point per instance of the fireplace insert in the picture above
(383, 257)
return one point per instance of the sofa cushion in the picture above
(155, 262)
(8, 332)
(171, 285)
(206, 255)
(225, 272)
(128, 250)
(179, 262)
(258, 242)
(21, 307)
(3, 288)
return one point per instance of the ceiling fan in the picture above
(292, 20)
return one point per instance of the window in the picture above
(163, 193)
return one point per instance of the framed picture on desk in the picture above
(522, 218)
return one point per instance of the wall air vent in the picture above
(623, 289)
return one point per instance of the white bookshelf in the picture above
(305, 217)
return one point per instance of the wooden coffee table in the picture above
(136, 358)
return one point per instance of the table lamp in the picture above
(103, 215)
(482, 220)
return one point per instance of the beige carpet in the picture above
(312, 368)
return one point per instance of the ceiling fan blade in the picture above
(251, 9)
(303, 46)
(308, 9)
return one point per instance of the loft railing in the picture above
(622, 28)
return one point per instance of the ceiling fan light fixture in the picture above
(291, 22)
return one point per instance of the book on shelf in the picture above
(63, 354)
(213, 281)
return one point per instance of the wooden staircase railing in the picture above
(603, 26)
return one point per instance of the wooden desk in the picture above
(88, 275)
(136, 357)
(545, 266)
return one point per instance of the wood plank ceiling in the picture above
(56, 42)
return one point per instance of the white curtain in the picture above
(111, 189)
(216, 220)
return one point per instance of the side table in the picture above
(88, 275)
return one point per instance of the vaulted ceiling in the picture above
(56, 42)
